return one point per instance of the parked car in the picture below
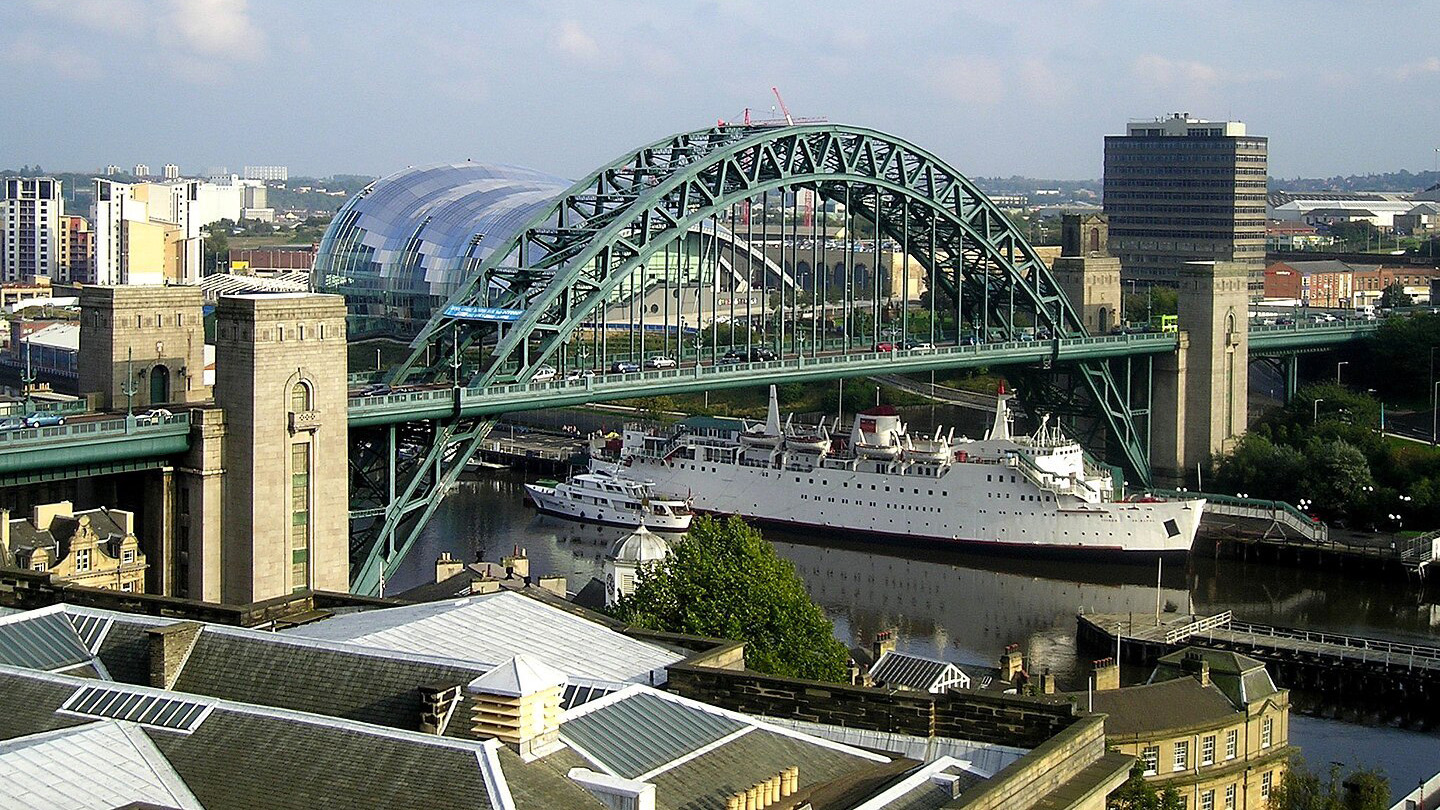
(884, 346)
(375, 390)
(760, 354)
(660, 361)
(623, 367)
(544, 374)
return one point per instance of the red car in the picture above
(884, 347)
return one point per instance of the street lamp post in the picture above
(1337, 370)
(1315, 411)
(1434, 412)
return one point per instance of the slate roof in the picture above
(125, 650)
(332, 679)
(1241, 678)
(492, 628)
(916, 672)
(1154, 707)
(929, 788)
(99, 765)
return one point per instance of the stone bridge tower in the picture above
(1087, 273)
(1201, 392)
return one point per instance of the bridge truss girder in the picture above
(563, 267)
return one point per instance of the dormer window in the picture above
(82, 560)
(127, 556)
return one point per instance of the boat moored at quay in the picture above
(1028, 494)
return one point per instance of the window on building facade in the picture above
(1207, 800)
(1232, 743)
(1266, 779)
(1182, 755)
(1150, 758)
(1267, 732)
(1207, 750)
(299, 516)
(127, 586)
(300, 397)
(1229, 797)
(82, 560)
(127, 556)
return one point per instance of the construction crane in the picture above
(783, 109)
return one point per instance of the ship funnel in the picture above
(1000, 429)
(772, 417)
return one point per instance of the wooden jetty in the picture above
(1325, 670)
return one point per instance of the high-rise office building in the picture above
(1180, 189)
(30, 211)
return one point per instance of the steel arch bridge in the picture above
(617, 235)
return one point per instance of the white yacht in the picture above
(1025, 493)
(601, 497)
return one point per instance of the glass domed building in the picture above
(403, 245)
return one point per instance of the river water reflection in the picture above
(966, 607)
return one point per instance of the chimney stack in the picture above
(447, 567)
(1107, 674)
(170, 646)
(1195, 664)
(1012, 663)
(884, 642)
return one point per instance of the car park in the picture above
(623, 367)
(660, 361)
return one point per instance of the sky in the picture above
(997, 88)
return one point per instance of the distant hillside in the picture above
(1389, 181)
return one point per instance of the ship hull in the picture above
(979, 506)
(547, 500)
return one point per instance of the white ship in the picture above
(1013, 492)
(600, 497)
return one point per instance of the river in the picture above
(967, 608)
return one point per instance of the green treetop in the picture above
(724, 580)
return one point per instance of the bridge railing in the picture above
(82, 430)
(1279, 511)
(1179, 634)
(1369, 649)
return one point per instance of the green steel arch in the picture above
(560, 269)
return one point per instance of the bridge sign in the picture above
(493, 314)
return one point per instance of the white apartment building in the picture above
(275, 173)
(171, 171)
(153, 233)
(30, 212)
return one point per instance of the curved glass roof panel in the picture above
(406, 243)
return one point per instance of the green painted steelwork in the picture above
(441, 403)
(53, 474)
(562, 268)
(1312, 336)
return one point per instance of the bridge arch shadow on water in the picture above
(652, 221)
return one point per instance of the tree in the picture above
(1152, 303)
(725, 580)
(1137, 794)
(1394, 295)
(1303, 789)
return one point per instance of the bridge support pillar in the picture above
(1290, 366)
(149, 341)
(1211, 381)
(1167, 416)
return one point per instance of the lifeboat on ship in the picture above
(808, 443)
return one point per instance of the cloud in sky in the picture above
(564, 85)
